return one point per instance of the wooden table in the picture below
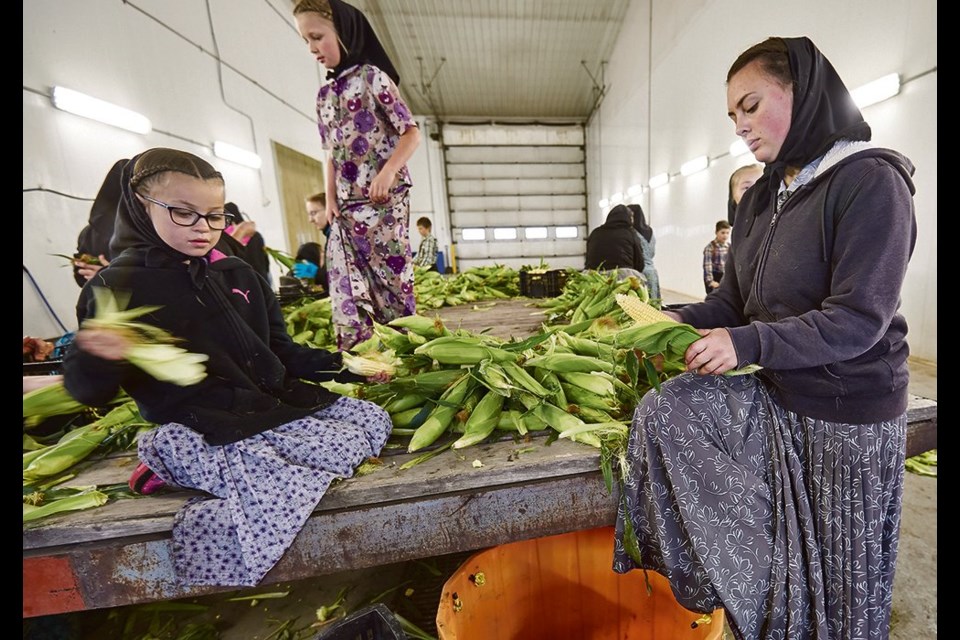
(483, 496)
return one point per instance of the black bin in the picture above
(375, 622)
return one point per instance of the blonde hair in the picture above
(314, 6)
(736, 175)
(152, 165)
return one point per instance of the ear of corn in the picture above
(566, 362)
(441, 416)
(601, 385)
(403, 402)
(641, 312)
(83, 500)
(462, 350)
(523, 380)
(482, 421)
(493, 377)
(426, 327)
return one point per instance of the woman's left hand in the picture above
(381, 186)
(713, 353)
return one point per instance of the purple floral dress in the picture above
(369, 265)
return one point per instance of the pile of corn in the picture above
(433, 290)
(309, 322)
(581, 380)
(50, 462)
(591, 294)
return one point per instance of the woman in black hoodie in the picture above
(252, 433)
(777, 496)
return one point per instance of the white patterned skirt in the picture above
(261, 489)
(790, 524)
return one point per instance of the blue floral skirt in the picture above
(789, 524)
(261, 489)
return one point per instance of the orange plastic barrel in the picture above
(563, 588)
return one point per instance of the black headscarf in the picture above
(358, 42)
(640, 222)
(309, 251)
(823, 111)
(134, 229)
(94, 239)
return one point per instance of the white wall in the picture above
(692, 46)
(127, 53)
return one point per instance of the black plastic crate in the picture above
(542, 285)
(375, 622)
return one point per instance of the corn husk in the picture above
(152, 349)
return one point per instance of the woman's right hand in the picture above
(103, 343)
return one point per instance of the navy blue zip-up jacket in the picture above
(812, 293)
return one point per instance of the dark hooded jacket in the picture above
(811, 292)
(94, 239)
(615, 244)
(254, 252)
(221, 309)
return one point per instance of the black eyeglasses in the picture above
(180, 216)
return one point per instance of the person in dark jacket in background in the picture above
(93, 243)
(241, 239)
(255, 432)
(615, 244)
(648, 242)
(777, 496)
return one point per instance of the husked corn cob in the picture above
(640, 311)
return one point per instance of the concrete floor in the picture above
(915, 585)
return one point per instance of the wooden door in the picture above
(299, 176)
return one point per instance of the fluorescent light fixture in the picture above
(876, 91)
(691, 167)
(635, 190)
(659, 180)
(236, 154)
(89, 107)
(739, 148)
(616, 198)
(604, 203)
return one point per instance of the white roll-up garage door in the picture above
(517, 193)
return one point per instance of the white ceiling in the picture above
(498, 59)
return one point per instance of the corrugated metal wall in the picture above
(517, 193)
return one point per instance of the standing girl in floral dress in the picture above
(369, 135)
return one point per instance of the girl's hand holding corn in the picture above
(103, 343)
